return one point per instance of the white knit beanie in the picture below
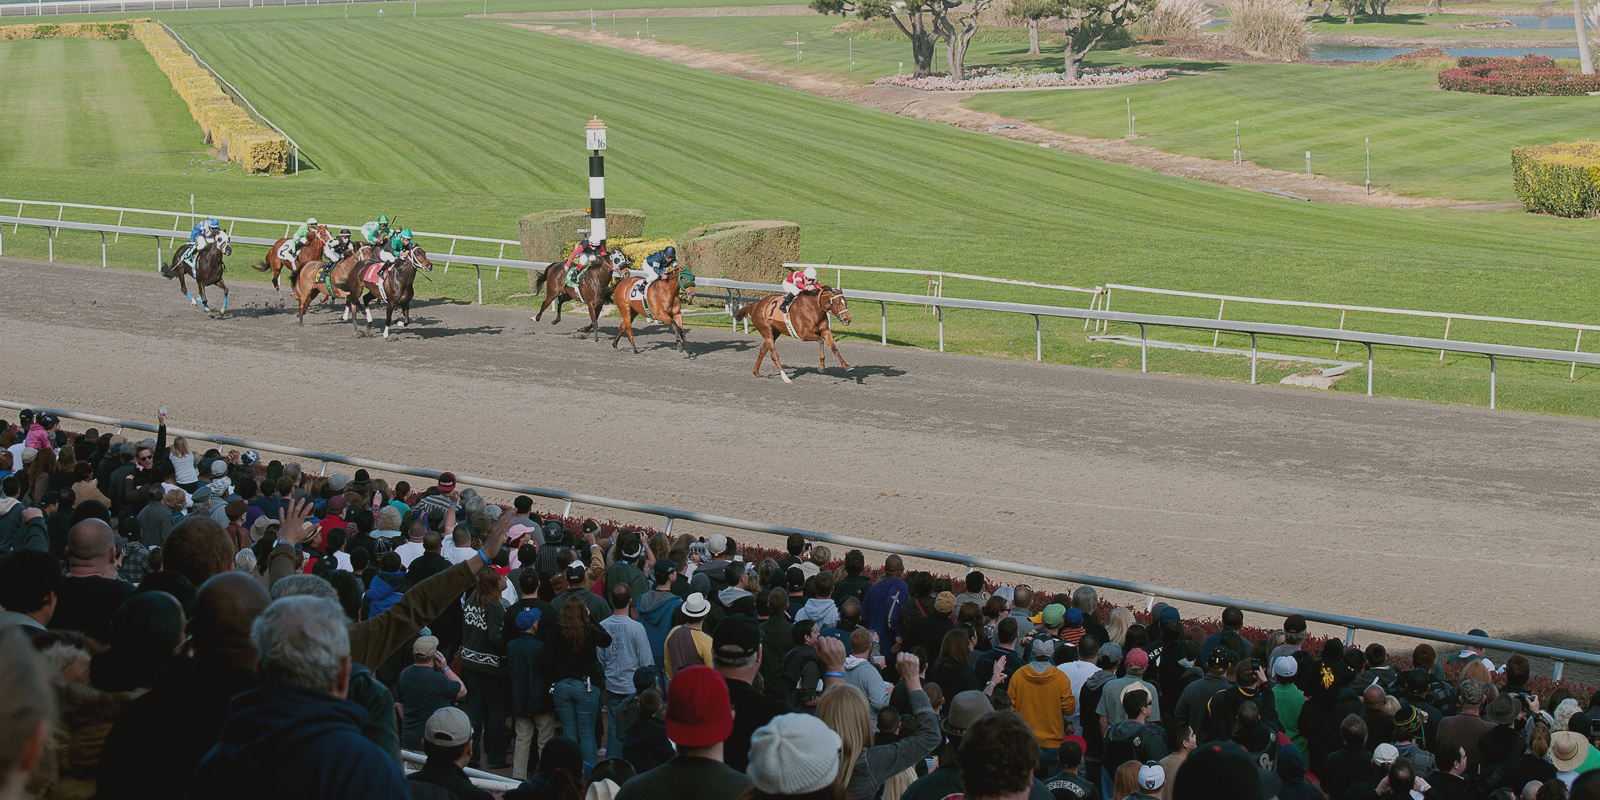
(794, 754)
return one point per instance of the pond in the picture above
(1562, 23)
(1350, 52)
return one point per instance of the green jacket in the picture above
(375, 232)
(300, 233)
(397, 244)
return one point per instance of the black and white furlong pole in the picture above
(595, 137)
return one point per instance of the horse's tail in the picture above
(261, 267)
(747, 309)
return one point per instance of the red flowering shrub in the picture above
(1528, 76)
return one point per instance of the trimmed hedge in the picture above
(68, 30)
(1561, 179)
(1529, 76)
(743, 251)
(547, 235)
(235, 134)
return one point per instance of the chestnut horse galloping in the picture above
(658, 301)
(207, 271)
(311, 282)
(808, 322)
(311, 253)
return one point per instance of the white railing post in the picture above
(1573, 375)
(1253, 356)
(480, 283)
(883, 323)
(1369, 370)
(1447, 322)
(1216, 336)
(1038, 339)
(1144, 350)
(940, 310)
(1491, 383)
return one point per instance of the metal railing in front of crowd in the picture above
(1351, 624)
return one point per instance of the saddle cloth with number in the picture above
(286, 251)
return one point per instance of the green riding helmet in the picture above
(383, 219)
(406, 234)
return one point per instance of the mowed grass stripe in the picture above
(89, 104)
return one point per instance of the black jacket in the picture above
(450, 777)
(160, 737)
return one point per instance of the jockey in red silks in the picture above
(797, 282)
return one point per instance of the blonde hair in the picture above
(820, 555)
(175, 499)
(180, 446)
(1391, 705)
(389, 518)
(1117, 626)
(844, 709)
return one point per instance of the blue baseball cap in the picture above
(527, 618)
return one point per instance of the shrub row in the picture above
(67, 30)
(1561, 179)
(1525, 77)
(238, 136)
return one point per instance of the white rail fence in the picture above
(128, 6)
(1559, 656)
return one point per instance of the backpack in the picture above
(1123, 741)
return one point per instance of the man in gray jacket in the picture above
(860, 672)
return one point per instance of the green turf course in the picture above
(485, 123)
(91, 105)
(1424, 141)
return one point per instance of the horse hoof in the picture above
(385, 333)
(785, 377)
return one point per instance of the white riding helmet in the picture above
(811, 273)
(311, 221)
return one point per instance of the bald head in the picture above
(224, 609)
(91, 549)
(1373, 696)
(894, 566)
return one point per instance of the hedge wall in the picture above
(743, 251)
(68, 30)
(1561, 179)
(234, 133)
(1525, 77)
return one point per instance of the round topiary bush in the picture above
(1528, 76)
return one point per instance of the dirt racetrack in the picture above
(1426, 514)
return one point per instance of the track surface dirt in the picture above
(1431, 515)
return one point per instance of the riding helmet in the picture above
(811, 273)
(671, 252)
(311, 221)
(344, 231)
(405, 234)
(213, 223)
(383, 219)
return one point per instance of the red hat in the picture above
(503, 571)
(337, 503)
(447, 482)
(1137, 657)
(699, 713)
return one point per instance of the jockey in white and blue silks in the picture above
(658, 263)
(200, 237)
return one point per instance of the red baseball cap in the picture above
(699, 713)
(447, 482)
(1137, 657)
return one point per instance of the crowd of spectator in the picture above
(199, 624)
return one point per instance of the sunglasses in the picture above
(146, 458)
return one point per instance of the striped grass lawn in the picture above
(89, 105)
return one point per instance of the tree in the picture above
(1087, 22)
(956, 38)
(1033, 12)
(914, 18)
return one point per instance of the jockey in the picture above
(377, 232)
(397, 246)
(658, 264)
(339, 249)
(200, 237)
(301, 236)
(797, 282)
(585, 252)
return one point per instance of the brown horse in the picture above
(664, 305)
(593, 284)
(807, 321)
(330, 284)
(311, 253)
(362, 285)
(207, 271)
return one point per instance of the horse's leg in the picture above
(388, 318)
(560, 300)
(224, 297)
(761, 355)
(544, 305)
(626, 312)
(277, 266)
(183, 286)
(405, 314)
(827, 334)
(773, 351)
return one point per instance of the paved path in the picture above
(1434, 515)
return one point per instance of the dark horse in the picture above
(664, 304)
(592, 290)
(363, 285)
(207, 271)
(807, 321)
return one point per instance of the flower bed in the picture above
(1528, 76)
(1005, 78)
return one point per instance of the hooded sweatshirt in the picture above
(289, 741)
(727, 597)
(820, 609)
(860, 673)
(655, 613)
(18, 535)
(1042, 694)
(386, 590)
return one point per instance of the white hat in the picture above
(1151, 776)
(1285, 667)
(696, 606)
(219, 467)
(794, 754)
(448, 726)
(717, 543)
(603, 789)
(1385, 754)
